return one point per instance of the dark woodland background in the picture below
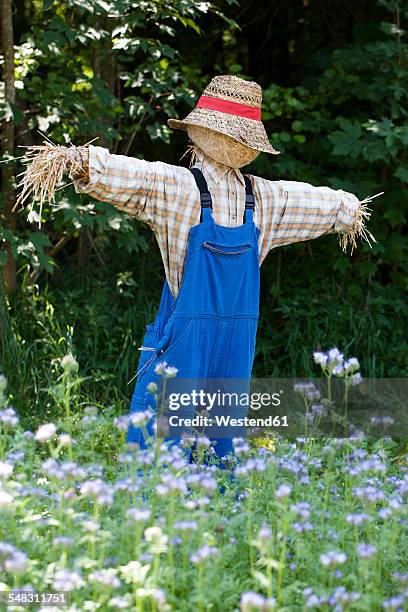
(335, 79)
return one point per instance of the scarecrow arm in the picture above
(306, 212)
(140, 188)
(135, 186)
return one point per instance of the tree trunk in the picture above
(8, 188)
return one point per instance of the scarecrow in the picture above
(214, 227)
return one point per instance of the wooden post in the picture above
(7, 169)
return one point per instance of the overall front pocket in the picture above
(221, 249)
(178, 329)
(148, 346)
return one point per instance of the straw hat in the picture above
(230, 106)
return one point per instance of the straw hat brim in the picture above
(246, 131)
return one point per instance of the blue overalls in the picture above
(209, 330)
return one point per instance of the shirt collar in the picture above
(215, 170)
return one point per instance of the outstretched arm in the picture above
(300, 211)
(138, 187)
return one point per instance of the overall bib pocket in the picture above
(221, 249)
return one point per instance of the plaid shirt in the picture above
(167, 199)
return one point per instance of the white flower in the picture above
(5, 499)
(91, 526)
(157, 539)
(338, 370)
(5, 469)
(3, 383)
(119, 602)
(160, 368)
(65, 439)
(134, 572)
(69, 363)
(170, 371)
(320, 358)
(45, 432)
(253, 601)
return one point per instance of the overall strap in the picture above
(205, 195)
(249, 200)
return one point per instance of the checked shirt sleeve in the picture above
(301, 212)
(135, 186)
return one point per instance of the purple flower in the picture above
(283, 491)
(240, 446)
(345, 598)
(119, 603)
(8, 416)
(138, 514)
(394, 603)
(369, 494)
(204, 553)
(138, 419)
(251, 600)
(63, 541)
(356, 378)
(106, 577)
(351, 365)
(99, 490)
(307, 389)
(264, 533)
(121, 422)
(300, 527)
(382, 421)
(335, 357)
(333, 558)
(186, 525)
(67, 580)
(14, 561)
(365, 551)
(401, 578)
(357, 519)
(302, 509)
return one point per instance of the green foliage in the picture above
(94, 69)
(346, 126)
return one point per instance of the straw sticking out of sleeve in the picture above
(47, 164)
(359, 229)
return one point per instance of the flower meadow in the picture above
(296, 524)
